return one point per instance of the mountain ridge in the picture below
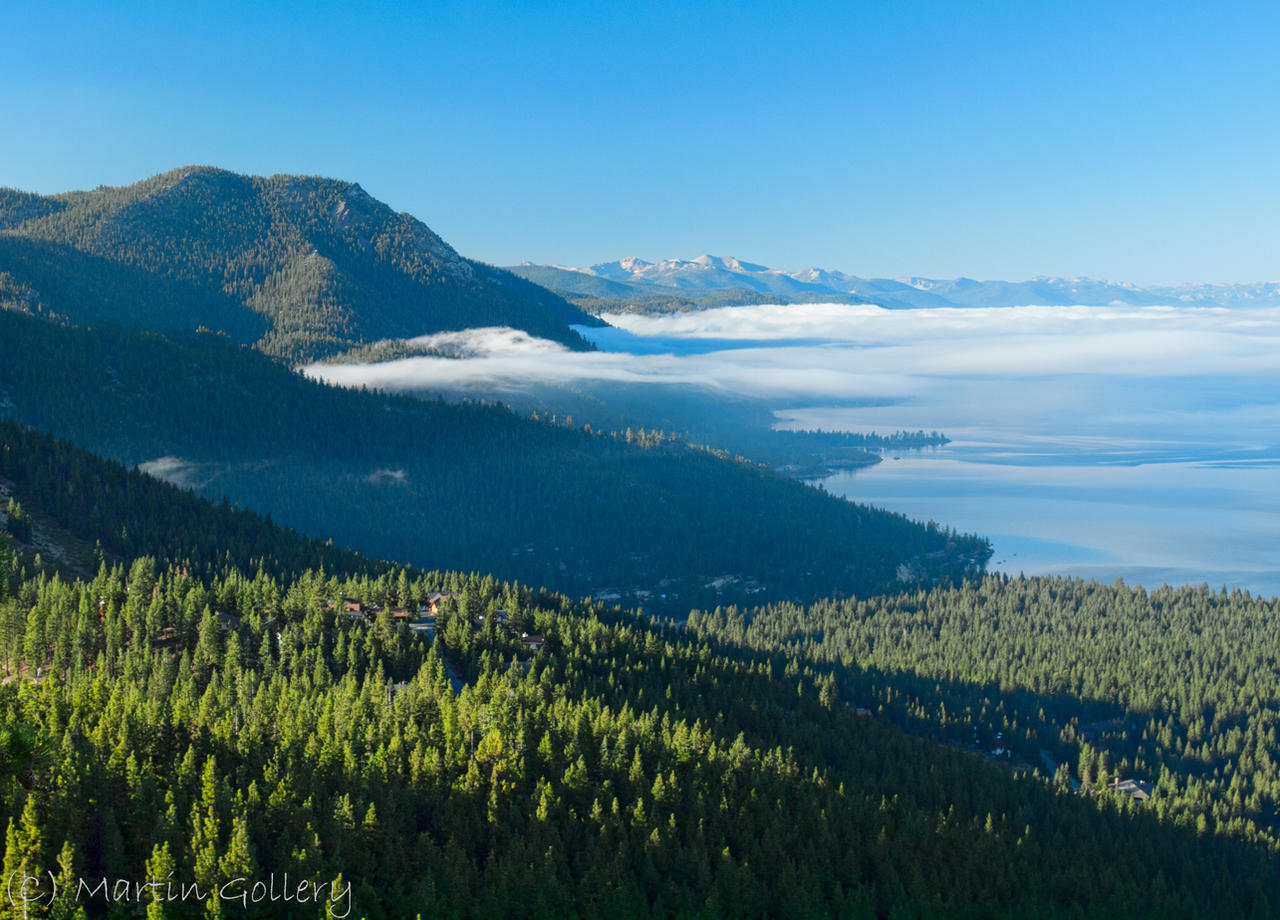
(635, 277)
(319, 262)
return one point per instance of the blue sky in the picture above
(1130, 141)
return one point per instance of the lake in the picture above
(1085, 506)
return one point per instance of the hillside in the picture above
(555, 278)
(76, 510)
(465, 487)
(1174, 688)
(303, 267)
(225, 729)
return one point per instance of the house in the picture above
(533, 642)
(425, 627)
(400, 614)
(228, 621)
(350, 605)
(432, 602)
(1133, 788)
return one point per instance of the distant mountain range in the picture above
(300, 266)
(632, 278)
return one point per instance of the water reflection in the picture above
(1153, 516)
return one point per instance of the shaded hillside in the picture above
(82, 501)
(303, 266)
(58, 281)
(458, 486)
(1175, 688)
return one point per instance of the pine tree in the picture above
(22, 860)
(66, 905)
(161, 870)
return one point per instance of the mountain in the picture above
(632, 278)
(705, 273)
(576, 281)
(470, 487)
(303, 267)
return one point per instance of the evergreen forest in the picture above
(226, 728)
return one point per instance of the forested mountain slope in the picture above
(458, 486)
(222, 724)
(1176, 688)
(232, 727)
(303, 266)
(125, 513)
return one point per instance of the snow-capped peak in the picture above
(714, 273)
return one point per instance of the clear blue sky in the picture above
(1133, 141)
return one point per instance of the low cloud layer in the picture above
(838, 352)
(506, 360)
(384, 475)
(1139, 441)
(1017, 341)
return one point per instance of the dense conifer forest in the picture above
(233, 727)
(205, 718)
(1091, 684)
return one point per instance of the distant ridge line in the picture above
(633, 277)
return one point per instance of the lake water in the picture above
(1088, 506)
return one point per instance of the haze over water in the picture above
(1108, 442)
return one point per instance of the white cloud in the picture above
(752, 371)
(491, 340)
(396, 476)
(173, 470)
(1153, 373)
(847, 352)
